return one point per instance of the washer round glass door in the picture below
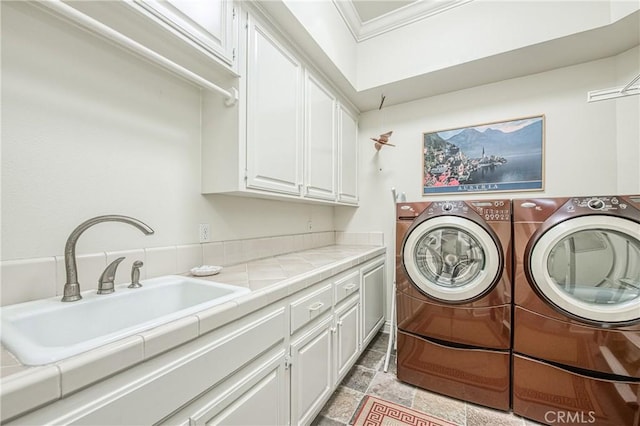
(589, 267)
(452, 259)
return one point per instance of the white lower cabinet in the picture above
(372, 296)
(347, 336)
(325, 342)
(275, 366)
(311, 371)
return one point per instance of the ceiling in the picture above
(368, 10)
(369, 18)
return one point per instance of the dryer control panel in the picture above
(602, 204)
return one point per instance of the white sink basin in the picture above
(48, 330)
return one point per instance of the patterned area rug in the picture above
(378, 412)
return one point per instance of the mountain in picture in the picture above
(472, 141)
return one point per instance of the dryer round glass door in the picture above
(589, 267)
(452, 259)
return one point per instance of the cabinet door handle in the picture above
(349, 287)
(316, 306)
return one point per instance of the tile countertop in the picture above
(270, 279)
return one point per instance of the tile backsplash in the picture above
(29, 279)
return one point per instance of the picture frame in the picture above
(490, 157)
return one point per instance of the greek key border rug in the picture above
(378, 412)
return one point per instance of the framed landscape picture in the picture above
(499, 156)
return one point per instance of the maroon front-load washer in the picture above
(453, 298)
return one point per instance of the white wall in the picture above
(323, 22)
(590, 148)
(628, 134)
(88, 129)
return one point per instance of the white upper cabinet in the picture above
(274, 114)
(206, 23)
(320, 140)
(289, 137)
(347, 156)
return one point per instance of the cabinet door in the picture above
(311, 372)
(373, 277)
(258, 399)
(206, 23)
(257, 395)
(320, 141)
(274, 114)
(347, 337)
(347, 156)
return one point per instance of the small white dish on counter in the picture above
(205, 270)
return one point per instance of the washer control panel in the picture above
(494, 210)
(448, 207)
(603, 204)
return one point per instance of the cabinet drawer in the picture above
(347, 285)
(310, 306)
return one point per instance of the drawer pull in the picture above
(349, 287)
(316, 306)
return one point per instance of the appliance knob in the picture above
(595, 204)
(447, 207)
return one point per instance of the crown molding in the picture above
(400, 17)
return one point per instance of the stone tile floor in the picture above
(367, 377)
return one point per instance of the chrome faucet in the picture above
(72, 287)
(106, 282)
